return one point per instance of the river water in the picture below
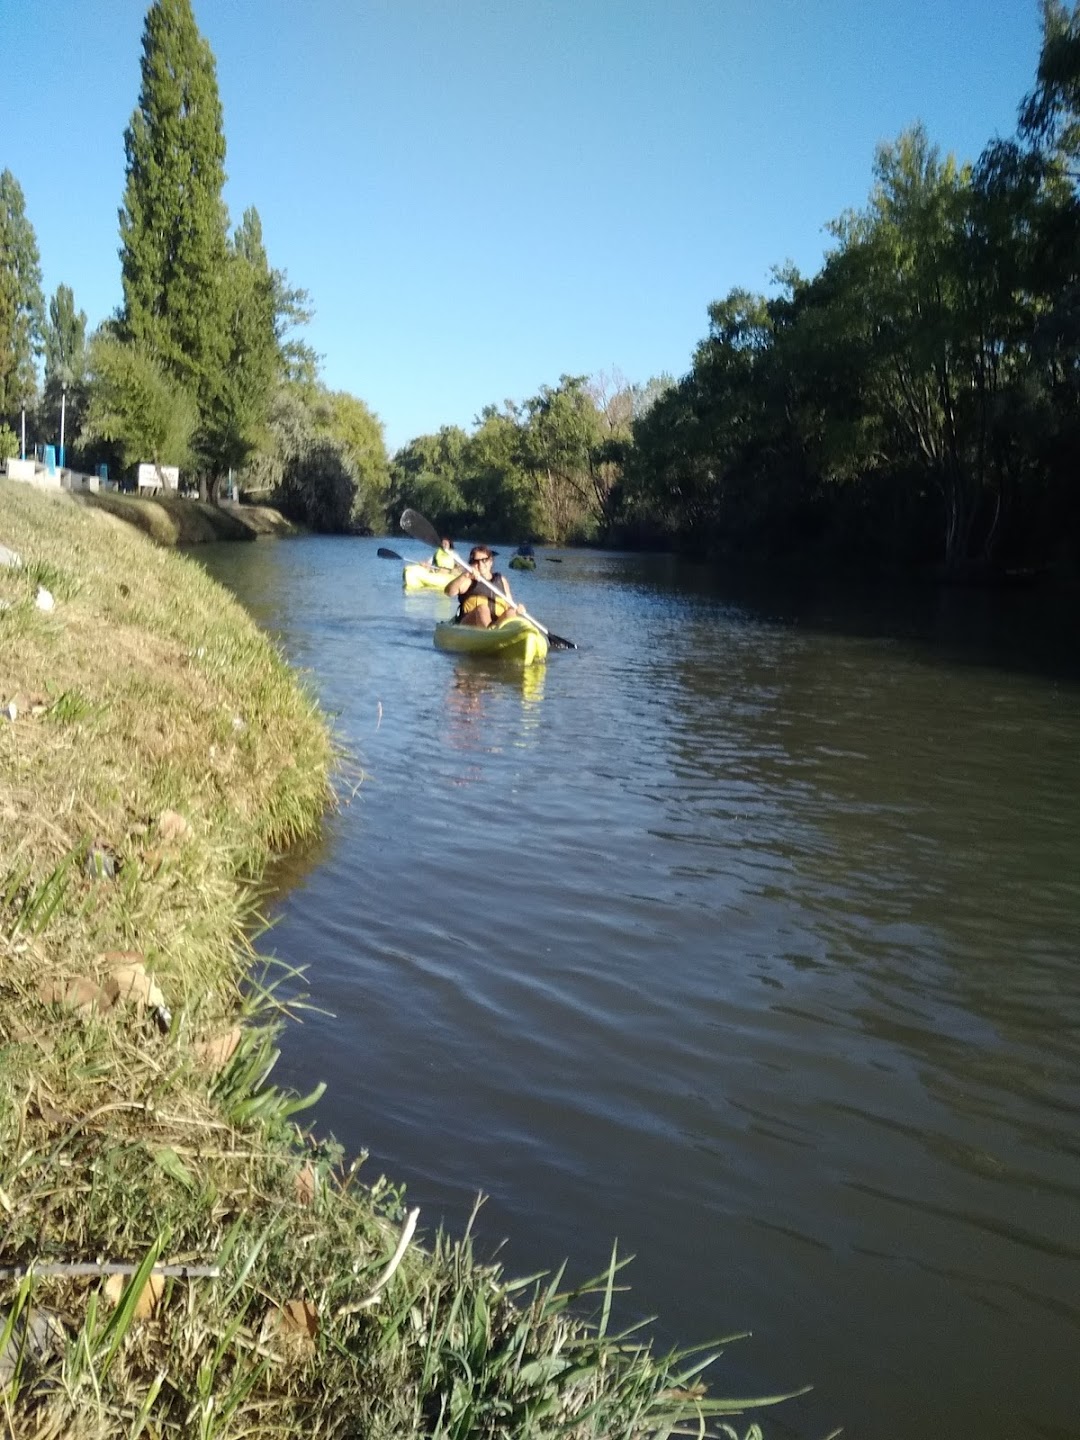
(746, 935)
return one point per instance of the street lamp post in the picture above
(63, 410)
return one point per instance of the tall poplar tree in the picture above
(64, 337)
(173, 225)
(236, 405)
(22, 306)
(65, 340)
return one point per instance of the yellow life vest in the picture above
(444, 559)
(476, 596)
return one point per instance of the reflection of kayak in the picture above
(522, 562)
(424, 577)
(514, 639)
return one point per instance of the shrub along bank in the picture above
(198, 1265)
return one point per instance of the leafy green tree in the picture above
(180, 291)
(65, 340)
(292, 309)
(644, 397)
(236, 401)
(326, 463)
(702, 450)
(360, 434)
(1050, 114)
(933, 363)
(498, 490)
(319, 487)
(65, 360)
(137, 405)
(426, 475)
(918, 400)
(562, 430)
(21, 303)
(291, 429)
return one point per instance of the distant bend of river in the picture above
(747, 934)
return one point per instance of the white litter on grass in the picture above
(9, 558)
(44, 599)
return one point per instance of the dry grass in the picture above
(160, 752)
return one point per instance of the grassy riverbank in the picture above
(155, 751)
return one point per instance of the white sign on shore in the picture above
(159, 477)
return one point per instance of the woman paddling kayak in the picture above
(476, 605)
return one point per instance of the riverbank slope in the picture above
(178, 520)
(155, 751)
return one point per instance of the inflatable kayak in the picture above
(425, 577)
(522, 562)
(515, 639)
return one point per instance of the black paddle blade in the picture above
(553, 559)
(385, 554)
(559, 642)
(414, 524)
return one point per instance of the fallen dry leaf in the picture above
(131, 982)
(149, 1295)
(112, 958)
(298, 1320)
(305, 1185)
(50, 1114)
(684, 1392)
(80, 995)
(216, 1053)
(172, 826)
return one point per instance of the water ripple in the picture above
(748, 933)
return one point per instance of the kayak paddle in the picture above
(414, 524)
(386, 554)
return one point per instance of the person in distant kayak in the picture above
(476, 604)
(445, 557)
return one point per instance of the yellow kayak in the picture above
(514, 639)
(425, 577)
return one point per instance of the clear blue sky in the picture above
(482, 195)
